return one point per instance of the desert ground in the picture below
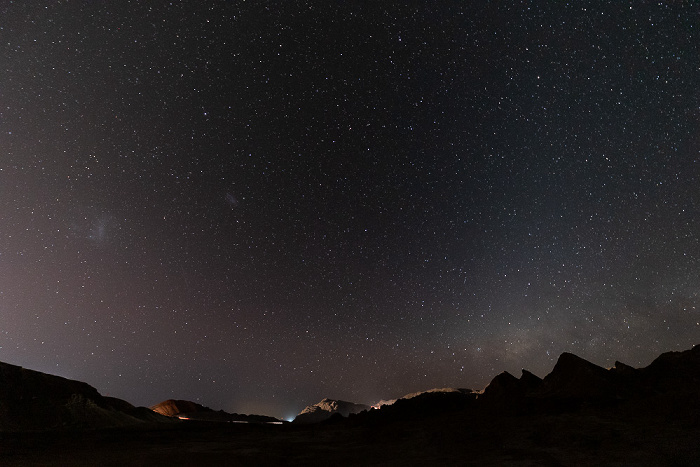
(560, 440)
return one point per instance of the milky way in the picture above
(255, 205)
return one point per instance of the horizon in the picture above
(289, 416)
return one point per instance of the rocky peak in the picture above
(575, 377)
(327, 407)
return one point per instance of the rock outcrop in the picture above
(35, 401)
(673, 371)
(177, 407)
(326, 408)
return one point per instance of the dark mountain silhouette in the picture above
(575, 383)
(430, 403)
(574, 377)
(192, 411)
(572, 383)
(506, 393)
(35, 401)
(671, 383)
(508, 385)
(674, 371)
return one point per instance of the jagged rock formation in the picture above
(574, 377)
(673, 371)
(575, 384)
(506, 393)
(326, 408)
(507, 384)
(192, 411)
(669, 385)
(35, 401)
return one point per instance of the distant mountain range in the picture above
(34, 401)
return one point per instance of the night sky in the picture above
(258, 204)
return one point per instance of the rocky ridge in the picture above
(189, 410)
(35, 401)
(327, 408)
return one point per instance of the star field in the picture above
(258, 204)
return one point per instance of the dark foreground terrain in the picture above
(454, 439)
